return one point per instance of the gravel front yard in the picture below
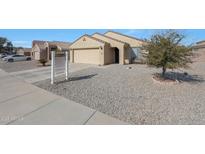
(131, 95)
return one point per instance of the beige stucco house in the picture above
(24, 51)
(199, 51)
(199, 46)
(42, 49)
(108, 48)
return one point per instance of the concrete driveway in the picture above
(24, 103)
(38, 74)
(32, 71)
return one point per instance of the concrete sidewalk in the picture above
(23, 103)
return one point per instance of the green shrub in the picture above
(43, 62)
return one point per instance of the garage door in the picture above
(88, 56)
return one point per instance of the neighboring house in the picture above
(42, 49)
(24, 51)
(199, 46)
(108, 48)
(199, 51)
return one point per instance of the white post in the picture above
(52, 66)
(66, 65)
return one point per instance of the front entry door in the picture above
(116, 55)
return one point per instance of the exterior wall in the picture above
(86, 42)
(36, 52)
(37, 55)
(43, 54)
(27, 53)
(87, 50)
(109, 56)
(131, 41)
(40, 53)
(199, 47)
(200, 50)
(128, 58)
(72, 56)
(113, 43)
(20, 52)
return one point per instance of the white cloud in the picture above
(22, 43)
(140, 33)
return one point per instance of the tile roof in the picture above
(198, 46)
(125, 35)
(62, 45)
(43, 45)
(27, 49)
(93, 38)
(200, 42)
(110, 38)
(38, 42)
(96, 39)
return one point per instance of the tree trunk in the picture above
(163, 71)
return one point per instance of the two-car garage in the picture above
(88, 50)
(90, 56)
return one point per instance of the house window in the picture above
(136, 53)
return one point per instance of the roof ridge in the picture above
(57, 42)
(202, 41)
(87, 36)
(110, 38)
(96, 39)
(125, 35)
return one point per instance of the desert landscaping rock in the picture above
(131, 95)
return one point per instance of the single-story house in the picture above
(199, 51)
(24, 51)
(108, 48)
(199, 46)
(42, 49)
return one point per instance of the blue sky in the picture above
(24, 37)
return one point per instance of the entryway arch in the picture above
(116, 55)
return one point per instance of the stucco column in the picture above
(72, 56)
(101, 54)
(122, 55)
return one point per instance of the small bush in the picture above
(166, 51)
(43, 62)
